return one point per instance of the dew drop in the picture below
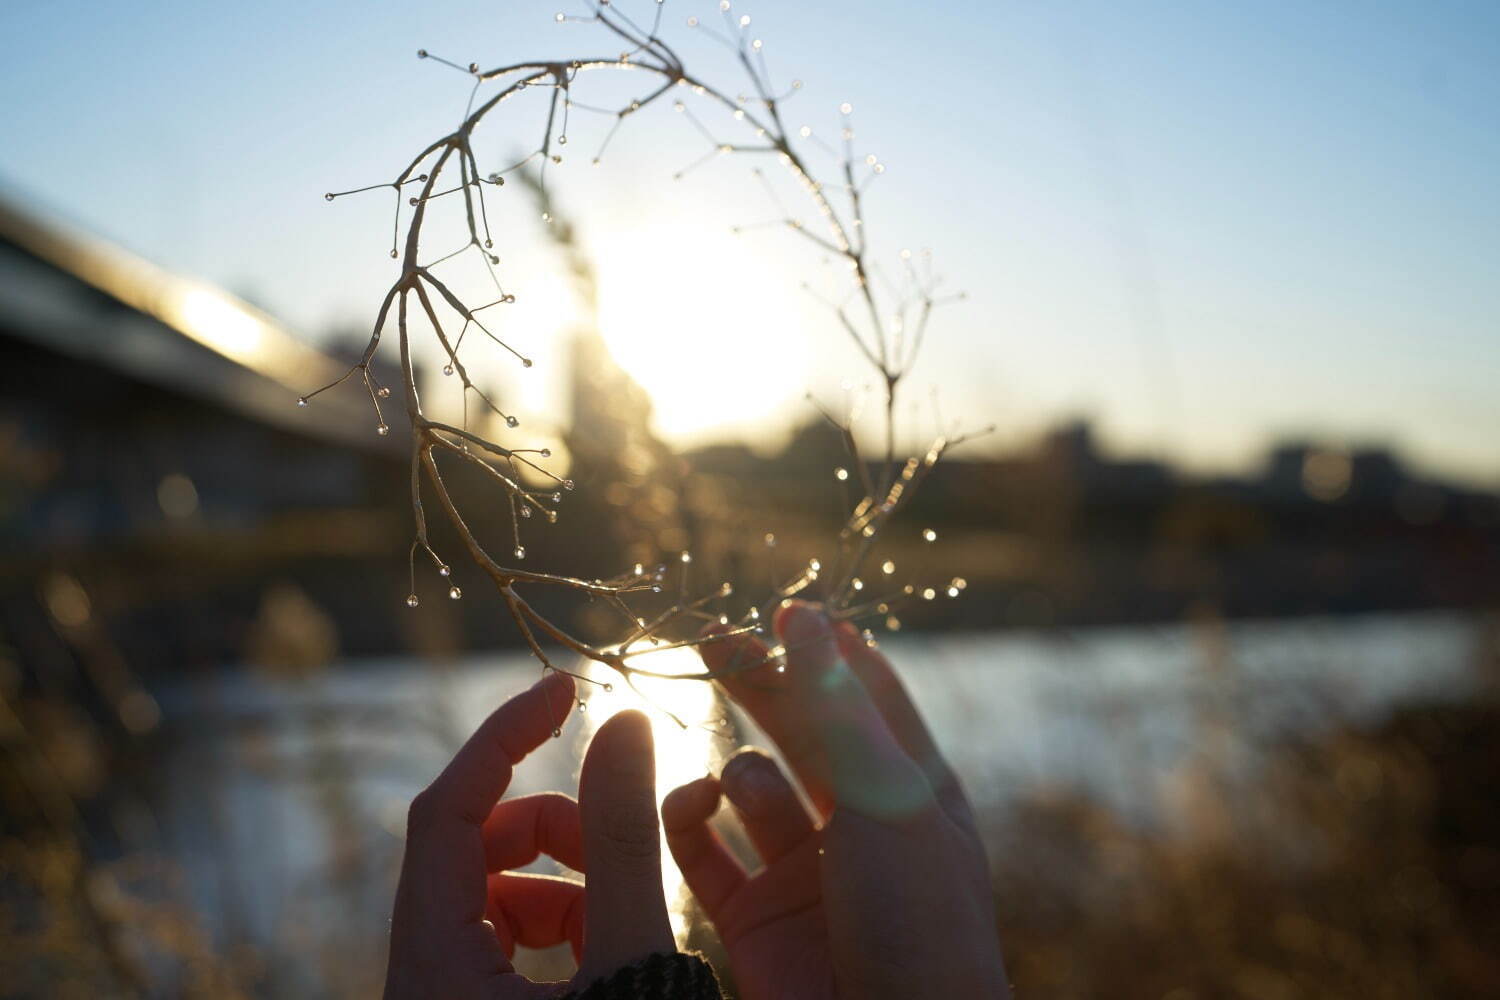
(454, 593)
(301, 400)
(755, 614)
(413, 201)
(846, 108)
(893, 623)
(525, 511)
(687, 556)
(557, 734)
(781, 668)
(512, 422)
(744, 20)
(888, 567)
(546, 216)
(393, 255)
(679, 106)
(656, 588)
(562, 140)
(559, 17)
(857, 583)
(473, 67)
(814, 565)
(382, 430)
(640, 570)
(959, 583)
(383, 392)
(447, 369)
(421, 53)
(411, 601)
(804, 131)
(608, 688)
(929, 535)
(328, 196)
(567, 484)
(557, 498)
(583, 706)
(520, 552)
(525, 362)
(952, 591)
(770, 540)
(841, 474)
(507, 299)
(445, 570)
(928, 594)
(692, 22)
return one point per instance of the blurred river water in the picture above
(282, 802)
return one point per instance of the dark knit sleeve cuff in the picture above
(675, 976)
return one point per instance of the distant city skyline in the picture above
(1209, 230)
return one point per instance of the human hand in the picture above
(884, 891)
(460, 913)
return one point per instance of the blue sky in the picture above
(1205, 225)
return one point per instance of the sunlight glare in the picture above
(700, 318)
(681, 754)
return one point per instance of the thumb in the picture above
(625, 912)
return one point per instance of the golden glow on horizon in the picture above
(701, 320)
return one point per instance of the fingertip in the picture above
(621, 756)
(629, 726)
(690, 804)
(846, 631)
(718, 646)
(559, 691)
(799, 623)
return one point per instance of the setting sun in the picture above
(700, 318)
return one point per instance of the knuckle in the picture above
(420, 814)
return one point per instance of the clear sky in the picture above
(1205, 225)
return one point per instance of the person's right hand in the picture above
(884, 891)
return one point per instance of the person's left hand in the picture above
(460, 913)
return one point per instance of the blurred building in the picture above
(155, 466)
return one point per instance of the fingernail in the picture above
(749, 781)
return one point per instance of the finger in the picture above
(869, 771)
(536, 911)
(520, 829)
(712, 874)
(768, 805)
(901, 716)
(626, 917)
(442, 875)
(771, 700)
(480, 771)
